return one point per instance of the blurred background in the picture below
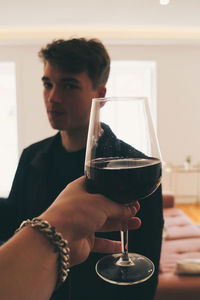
(155, 52)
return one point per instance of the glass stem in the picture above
(124, 245)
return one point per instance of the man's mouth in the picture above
(55, 112)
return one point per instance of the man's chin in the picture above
(56, 126)
(69, 127)
(60, 128)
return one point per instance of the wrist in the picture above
(61, 223)
(60, 245)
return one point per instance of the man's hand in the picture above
(78, 214)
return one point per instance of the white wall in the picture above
(32, 120)
(178, 98)
(178, 94)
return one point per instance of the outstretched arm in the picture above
(28, 264)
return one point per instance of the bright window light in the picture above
(164, 2)
(136, 79)
(8, 126)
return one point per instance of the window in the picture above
(8, 126)
(134, 78)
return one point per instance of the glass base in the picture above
(113, 269)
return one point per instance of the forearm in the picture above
(28, 264)
(28, 267)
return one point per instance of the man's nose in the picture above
(54, 96)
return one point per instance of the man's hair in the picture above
(79, 55)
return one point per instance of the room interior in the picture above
(138, 30)
(131, 30)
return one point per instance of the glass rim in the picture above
(118, 98)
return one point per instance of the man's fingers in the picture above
(136, 205)
(115, 225)
(106, 246)
(115, 210)
(112, 209)
(134, 223)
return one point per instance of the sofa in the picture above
(179, 275)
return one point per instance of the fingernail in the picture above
(133, 210)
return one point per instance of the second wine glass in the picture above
(122, 162)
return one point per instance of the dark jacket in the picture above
(36, 185)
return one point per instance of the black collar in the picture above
(40, 159)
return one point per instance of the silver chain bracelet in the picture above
(61, 245)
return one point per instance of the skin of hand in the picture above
(28, 263)
(78, 214)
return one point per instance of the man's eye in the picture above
(71, 86)
(47, 85)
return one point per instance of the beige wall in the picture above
(32, 121)
(178, 94)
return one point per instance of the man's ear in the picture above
(101, 91)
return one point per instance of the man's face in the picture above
(68, 98)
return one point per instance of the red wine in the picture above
(123, 179)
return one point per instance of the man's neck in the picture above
(74, 140)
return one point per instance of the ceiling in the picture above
(134, 20)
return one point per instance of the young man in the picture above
(75, 71)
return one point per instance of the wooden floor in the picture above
(192, 210)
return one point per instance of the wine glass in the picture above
(123, 162)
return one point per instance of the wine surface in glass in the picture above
(123, 180)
